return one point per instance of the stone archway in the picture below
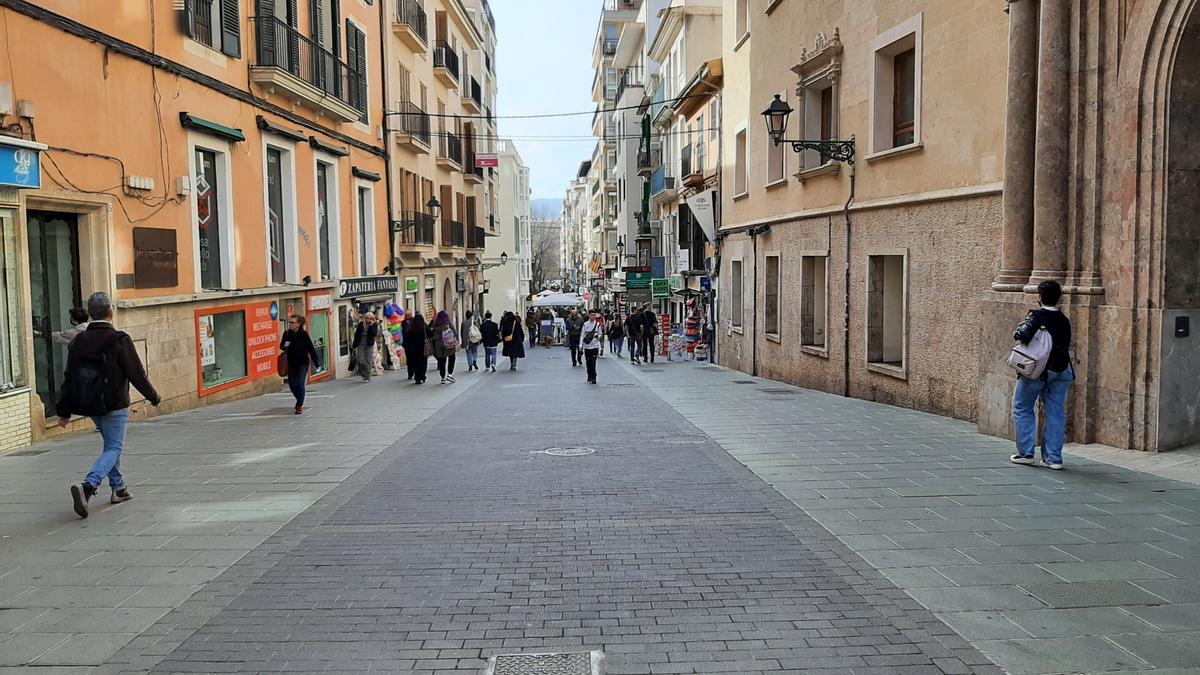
(1179, 397)
(448, 297)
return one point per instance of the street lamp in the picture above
(620, 253)
(777, 115)
(434, 206)
(490, 265)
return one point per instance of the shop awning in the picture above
(190, 121)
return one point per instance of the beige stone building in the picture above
(994, 149)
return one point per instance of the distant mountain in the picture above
(546, 209)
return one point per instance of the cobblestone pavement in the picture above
(1093, 569)
(467, 539)
(209, 486)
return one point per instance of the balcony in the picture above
(662, 185)
(453, 234)
(412, 25)
(413, 128)
(693, 174)
(470, 171)
(450, 152)
(445, 65)
(419, 230)
(645, 166)
(475, 237)
(609, 46)
(291, 65)
(630, 77)
(472, 99)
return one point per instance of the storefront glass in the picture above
(318, 330)
(208, 217)
(11, 374)
(222, 347)
(345, 330)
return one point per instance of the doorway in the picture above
(54, 290)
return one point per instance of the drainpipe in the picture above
(846, 294)
(754, 235)
(387, 139)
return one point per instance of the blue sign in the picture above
(20, 167)
(706, 284)
(658, 267)
(275, 310)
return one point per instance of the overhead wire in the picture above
(531, 116)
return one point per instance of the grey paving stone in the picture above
(997, 574)
(1181, 616)
(983, 625)
(1059, 655)
(1113, 570)
(1092, 594)
(1164, 649)
(975, 598)
(1044, 623)
(1173, 590)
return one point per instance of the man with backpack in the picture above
(101, 364)
(1042, 359)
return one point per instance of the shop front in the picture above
(235, 345)
(20, 170)
(356, 296)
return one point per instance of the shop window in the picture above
(886, 309)
(222, 348)
(11, 360)
(771, 296)
(318, 330)
(735, 293)
(896, 87)
(326, 214)
(214, 236)
(814, 294)
(365, 209)
(345, 330)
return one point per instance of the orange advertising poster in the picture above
(262, 338)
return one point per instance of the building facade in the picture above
(235, 180)
(508, 283)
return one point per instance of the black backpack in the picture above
(88, 379)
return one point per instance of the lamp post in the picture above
(489, 265)
(777, 115)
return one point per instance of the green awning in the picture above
(218, 130)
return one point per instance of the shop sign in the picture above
(261, 339)
(637, 280)
(319, 301)
(677, 282)
(412, 284)
(359, 286)
(706, 284)
(684, 260)
(658, 267)
(660, 288)
(487, 161)
(155, 258)
(20, 166)
(638, 296)
(208, 341)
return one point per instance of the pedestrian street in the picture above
(644, 524)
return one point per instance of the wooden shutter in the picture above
(335, 7)
(187, 19)
(351, 60)
(316, 15)
(231, 28)
(356, 57)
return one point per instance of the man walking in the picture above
(633, 332)
(471, 337)
(532, 327)
(490, 334)
(574, 333)
(1051, 387)
(649, 330)
(101, 364)
(592, 330)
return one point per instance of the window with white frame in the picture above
(896, 87)
(886, 309)
(213, 212)
(818, 88)
(739, 164)
(735, 293)
(365, 217)
(814, 294)
(771, 296)
(282, 240)
(329, 222)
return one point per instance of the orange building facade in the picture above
(214, 165)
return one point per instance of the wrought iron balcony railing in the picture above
(278, 45)
(412, 14)
(445, 57)
(418, 228)
(453, 234)
(451, 148)
(415, 122)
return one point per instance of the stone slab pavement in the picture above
(1092, 569)
(471, 539)
(210, 485)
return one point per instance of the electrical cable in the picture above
(531, 116)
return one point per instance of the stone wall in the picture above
(14, 420)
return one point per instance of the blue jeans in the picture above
(473, 355)
(634, 343)
(297, 378)
(1052, 389)
(489, 356)
(112, 429)
(616, 345)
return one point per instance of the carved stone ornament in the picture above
(824, 62)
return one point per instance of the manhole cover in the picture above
(568, 452)
(581, 663)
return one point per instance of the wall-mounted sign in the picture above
(208, 341)
(637, 280)
(21, 165)
(155, 258)
(319, 301)
(706, 284)
(486, 161)
(261, 339)
(684, 260)
(412, 284)
(356, 287)
(677, 282)
(658, 267)
(660, 288)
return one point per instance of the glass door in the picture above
(54, 290)
(318, 330)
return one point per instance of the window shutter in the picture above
(335, 46)
(352, 61)
(187, 20)
(231, 28)
(358, 61)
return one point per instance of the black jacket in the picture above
(634, 326)
(299, 349)
(491, 333)
(372, 332)
(649, 323)
(125, 367)
(1059, 327)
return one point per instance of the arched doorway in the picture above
(1179, 397)
(447, 297)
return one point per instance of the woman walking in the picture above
(301, 355)
(445, 345)
(416, 337)
(514, 338)
(616, 335)
(365, 335)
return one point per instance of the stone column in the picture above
(1019, 135)
(1051, 165)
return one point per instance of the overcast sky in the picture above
(544, 62)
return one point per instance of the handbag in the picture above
(429, 348)
(281, 364)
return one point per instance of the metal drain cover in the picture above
(568, 452)
(579, 663)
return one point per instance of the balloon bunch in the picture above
(395, 321)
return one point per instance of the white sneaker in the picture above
(1018, 459)
(1048, 465)
(450, 379)
(443, 380)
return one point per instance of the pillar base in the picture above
(1010, 281)
(1084, 283)
(1038, 276)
